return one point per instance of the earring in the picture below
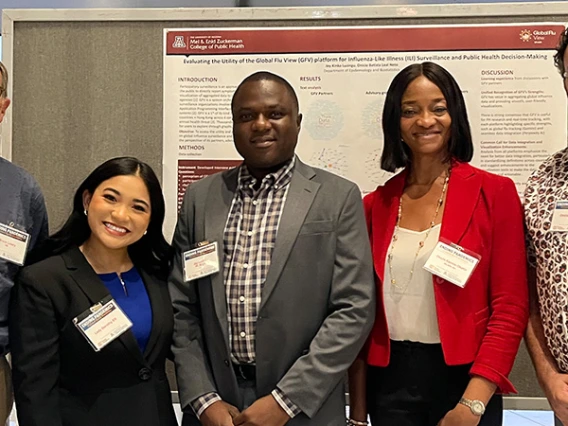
(85, 211)
(145, 232)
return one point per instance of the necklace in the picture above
(439, 203)
(123, 284)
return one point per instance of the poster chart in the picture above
(514, 94)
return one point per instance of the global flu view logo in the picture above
(525, 35)
(536, 36)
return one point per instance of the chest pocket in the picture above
(317, 227)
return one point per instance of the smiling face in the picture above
(118, 212)
(266, 124)
(425, 123)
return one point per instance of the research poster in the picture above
(514, 94)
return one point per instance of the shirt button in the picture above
(249, 233)
(245, 265)
(254, 203)
(243, 334)
(242, 298)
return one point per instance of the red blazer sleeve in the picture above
(368, 201)
(508, 289)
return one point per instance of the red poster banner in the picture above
(352, 40)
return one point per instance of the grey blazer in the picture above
(318, 301)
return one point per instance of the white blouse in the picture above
(410, 306)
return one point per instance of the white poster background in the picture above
(515, 101)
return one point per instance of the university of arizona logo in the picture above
(179, 42)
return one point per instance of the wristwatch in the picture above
(477, 407)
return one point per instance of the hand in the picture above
(556, 390)
(263, 412)
(219, 414)
(460, 416)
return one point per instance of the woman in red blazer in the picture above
(440, 351)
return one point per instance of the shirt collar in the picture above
(277, 179)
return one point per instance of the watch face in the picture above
(477, 407)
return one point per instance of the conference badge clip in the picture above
(452, 262)
(201, 261)
(102, 323)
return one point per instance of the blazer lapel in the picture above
(384, 213)
(157, 302)
(84, 275)
(299, 199)
(217, 208)
(463, 193)
(88, 281)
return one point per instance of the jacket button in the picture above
(145, 374)
(227, 362)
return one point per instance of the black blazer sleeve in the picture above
(34, 338)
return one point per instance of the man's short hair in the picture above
(267, 76)
(4, 82)
(560, 51)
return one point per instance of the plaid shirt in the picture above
(250, 236)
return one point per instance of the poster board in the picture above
(87, 85)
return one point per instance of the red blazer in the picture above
(484, 322)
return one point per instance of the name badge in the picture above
(560, 217)
(201, 261)
(452, 263)
(13, 244)
(102, 323)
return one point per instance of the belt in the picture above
(245, 371)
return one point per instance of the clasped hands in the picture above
(263, 412)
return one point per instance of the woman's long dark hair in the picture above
(150, 252)
(396, 152)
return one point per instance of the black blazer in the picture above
(59, 380)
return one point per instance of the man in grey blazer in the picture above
(267, 339)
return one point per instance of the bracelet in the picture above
(351, 422)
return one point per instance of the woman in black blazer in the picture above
(111, 247)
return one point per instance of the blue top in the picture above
(21, 206)
(133, 300)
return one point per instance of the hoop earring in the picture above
(85, 211)
(145, 232)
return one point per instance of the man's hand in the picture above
(264, 412)
(219, 414)
(555, 386)
(460, 416)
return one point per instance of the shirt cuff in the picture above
(288, 406)
(203, 402)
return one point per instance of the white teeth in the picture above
(115, 228)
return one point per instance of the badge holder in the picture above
(201, 261)
(559, 221)
(452, 262)
(13, 244)
(102, 323)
